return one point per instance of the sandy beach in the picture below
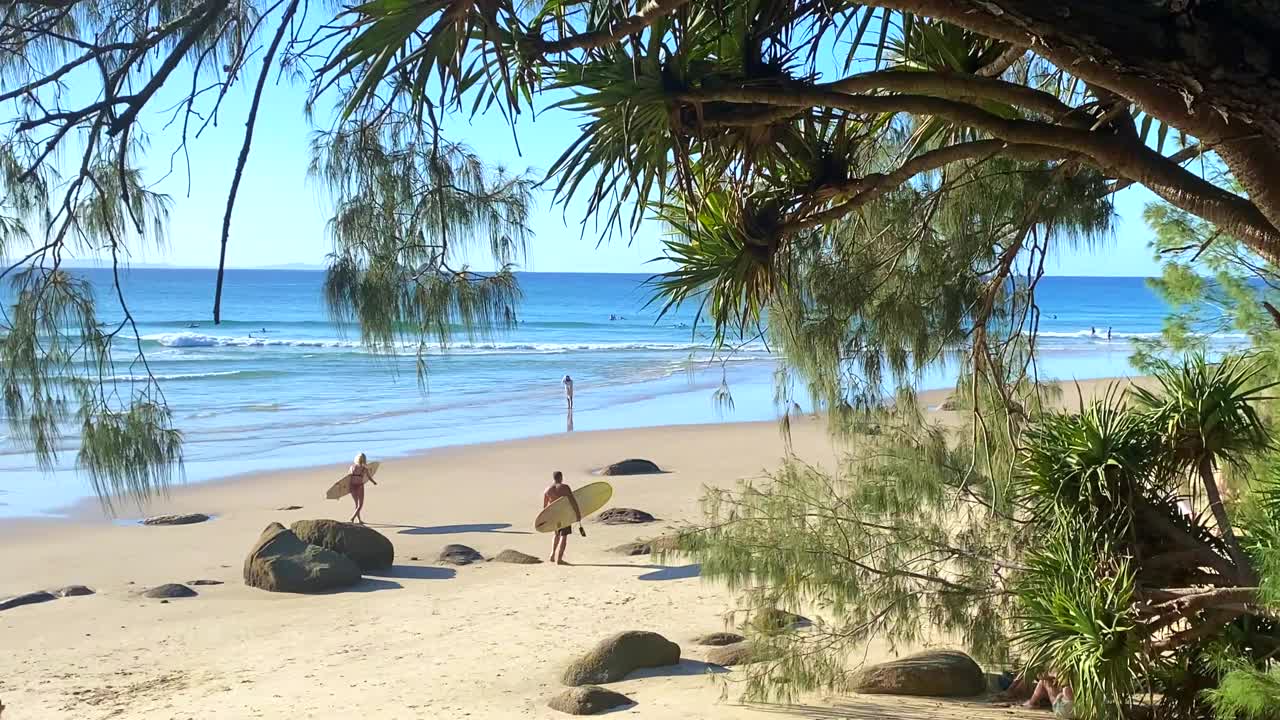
(422, 641)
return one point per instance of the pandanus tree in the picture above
(1095, 558)
(793, 118)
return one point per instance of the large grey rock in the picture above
(741, 653)
(370, 549)
(185, 519)
(588, 700)
(613, 658)
(633, 466)
(516, 558)
(30, 598)
(72, 591)
(455, 554)
(718, 639)
(170, 590)
(936, 673)
(281, 562)
(624, 516)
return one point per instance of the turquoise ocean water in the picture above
(277, 385)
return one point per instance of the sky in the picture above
(280, 215)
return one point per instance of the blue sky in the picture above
(280, 215)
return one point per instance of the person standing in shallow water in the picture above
(359, 475)
(568, 399)
(560, 538)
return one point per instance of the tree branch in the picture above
(1120, 156)
(870, 187)
(250, 122)
(643, 17)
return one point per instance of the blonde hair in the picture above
(360, 459)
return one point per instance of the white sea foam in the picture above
(198, 340)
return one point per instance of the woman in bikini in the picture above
(358, 475)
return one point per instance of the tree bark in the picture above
(1206, 68)
(1224, 523)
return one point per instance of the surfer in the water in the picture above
(560, 538)
(359, 475)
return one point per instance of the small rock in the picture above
(633, 466)
(169, 590)
(624, 516)
(290, 507)
(186, 519)
(951, 404)
(639, 547)
(742, 653)
(72, 591)
(646, 547)
(204, 582)
(30, 598)
(588, 700)
(164, 602)
(455, 554)
(936, 673)
(718, 639)
(773, 620)
(415, 557)
(516, 557)
(614, 657)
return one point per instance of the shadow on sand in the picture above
(660, 572)
(368, 585)
(686, 668)
(454, 529)
(684, 572)
(901, 708)
(414, 572)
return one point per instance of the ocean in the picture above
(277, 385)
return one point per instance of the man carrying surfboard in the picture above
(560, 538)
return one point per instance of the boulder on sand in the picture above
(772, 620)
(370, 549)
(516, 558)
(633, 466)
(186, 519)
(718, 639)
(624, 516)
(30, 598)
(455, 554)
(647, 547)
(740, 653)
(588, 700)
(281, 562)
(170, 590)
(72, 591)
(936, 673)
(613, 658)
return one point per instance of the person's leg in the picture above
(564, 543)
(1039, 695)
(358, 493)
(555, 544)
(355, 498)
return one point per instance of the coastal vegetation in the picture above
(885, 180)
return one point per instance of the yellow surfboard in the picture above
(343, 486)
(559, 514)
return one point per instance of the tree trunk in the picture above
(1224, 523)
(1206, 68)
